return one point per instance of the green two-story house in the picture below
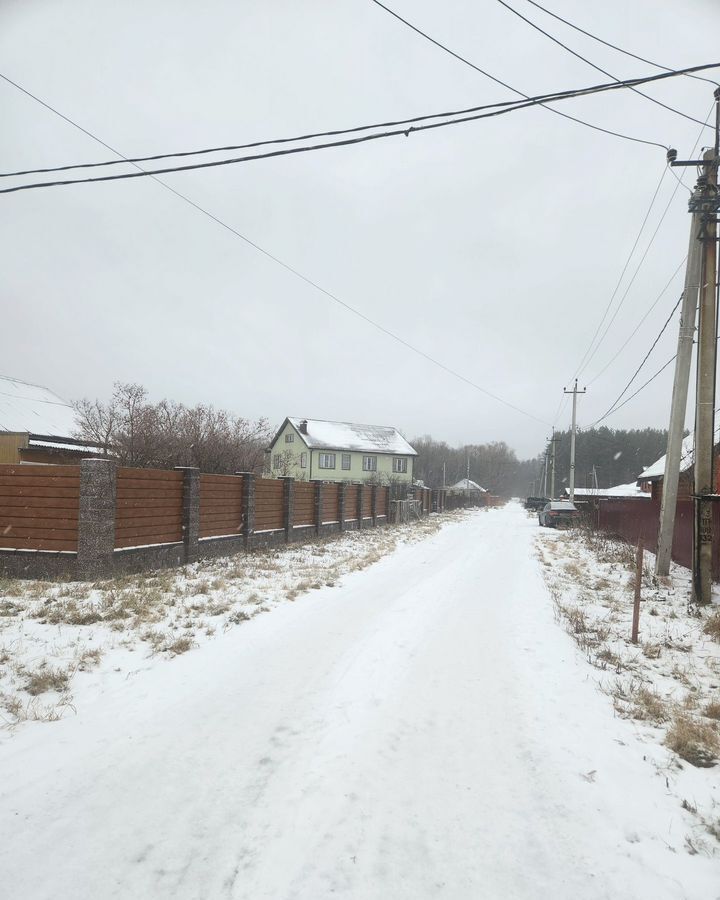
(315, 450)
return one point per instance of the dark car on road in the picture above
(536, 502)
(558, 513)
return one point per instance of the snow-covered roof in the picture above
(467, 484)
(350, 436)
(77, 446)
(620, 490)
(34, 409)
(687, 458)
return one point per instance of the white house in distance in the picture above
(316, 450)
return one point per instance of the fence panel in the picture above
(221, 505)
(149, 507)
(382, 501)
(39, 507)
(304, 504)
(351, 502)
(330, 494)
(269, 515)
(367, 502)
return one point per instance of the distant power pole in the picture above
(574, 392)
(553, 440)
(705, 203)
(545, 473)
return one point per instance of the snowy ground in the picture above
(421, 729)
(668, 684)
(61, 644)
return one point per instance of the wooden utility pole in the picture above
(553, 441)
(574, 392)
(638, 590)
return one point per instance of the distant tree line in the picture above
(617, 455)
(162, 435)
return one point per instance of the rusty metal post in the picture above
(638, 587)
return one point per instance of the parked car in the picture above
(536, 502)
(558, 512)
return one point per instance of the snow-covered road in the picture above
(423, 730)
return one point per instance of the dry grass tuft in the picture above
(179, 645)
(712, 710)
(694, 741)
(46, 679)
(712, 626)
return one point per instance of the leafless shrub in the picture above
(651, 651)
(712, 626)
(239, 616)
(712, 710)
(179, 645)
(694, 741)
(633, 700)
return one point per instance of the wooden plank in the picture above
(13, 481)
(174, 512)
(41, 502)
(142, 503)
(149, 485)
(220, 479)
(140, 541)
(12, 543)
(155, 494)
(151, 534)
(162, 522)
(149, 474)
(22, 531)
(36, 522)
(50, 491)
(29, 470)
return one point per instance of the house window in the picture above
(369, 463)
(303, 460)
(276, 461)
(346, 461)
(399, 465)
(327, 461)
(289, 438)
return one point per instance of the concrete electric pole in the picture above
(679, 400)
(705, 204)
(574, 392)
(553, 441)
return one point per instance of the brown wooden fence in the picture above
(269, 507)
(221, 505)
(351, 502)
(304, 504)
(39, 507)
(330, 503)
(149, 507)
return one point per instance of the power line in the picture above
(499, 81)
(632, 396)
(613, 46)
(639, 324)
(622, 273)
(645, 359)
(496, 109)
(293, 270)
(593, 65)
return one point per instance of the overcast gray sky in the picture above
(492, 246)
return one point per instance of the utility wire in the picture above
(645, 359)
(594, 37)
(640, 323)
(499, 81)
(632, 396)
(580, 367)
(293, 270)
(679, 184)
(596, 67)
(496, 109)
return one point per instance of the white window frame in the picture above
(369, 463)
(326, 460)
(346, 462)
(400, 465)
(303, 460)
(289, 438)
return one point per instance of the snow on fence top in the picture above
(317, 433)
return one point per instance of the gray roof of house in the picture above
(34, 409)
(351, 436)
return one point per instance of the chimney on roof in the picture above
(303, 426)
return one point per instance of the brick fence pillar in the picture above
(248, 506)
(360, 497)
(342, 486)
(96, 517)
(318, 506)
(288, 505)
(191, 512)
(373, 503)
